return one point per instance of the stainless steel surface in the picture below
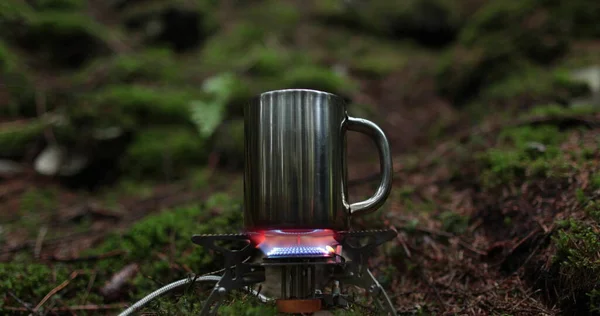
(295, 161)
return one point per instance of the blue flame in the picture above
(297, 251)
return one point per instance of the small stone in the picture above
(590, 75)
(48, 162)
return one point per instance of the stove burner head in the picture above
(299, 251)
(314, 243)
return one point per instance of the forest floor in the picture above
(496, 171)
(461, 248)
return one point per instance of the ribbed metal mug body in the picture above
(295, 161)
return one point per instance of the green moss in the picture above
(26, 280)
(454, 223)
(14, 10)
(142, 104)
(245, 307)
(163, 151)
(267, 61)
(148, 65)
(227, 49)
(371, 56)
(462, 71)
(59, 4)
(41, 200)
(9, 61)
(501, 40)
(522, 137)
(577, 249)
(525, 151)
(416, 20)
(594, 296)
(592, 210)
(169, 233)
(56, 23)
(523, 28)
(582, 17)
(279, 17)
(32, 281)
(535, 84)
(318, 78)
(18, 93)
(595, 181)
(64, 38)
(555, 110)
(16, 137)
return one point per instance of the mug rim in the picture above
(258, 97)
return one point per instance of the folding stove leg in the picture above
(237, 273)
(356, 271)
(215, 298)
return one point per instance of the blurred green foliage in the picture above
(175, 75)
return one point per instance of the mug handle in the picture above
(385, 161)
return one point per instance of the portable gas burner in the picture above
(296, 209)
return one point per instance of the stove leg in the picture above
(293, 283)
(215, 297)
(363, 277)
(381, 298)
(284, 282)
(313, 285)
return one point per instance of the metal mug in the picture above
(295, 173)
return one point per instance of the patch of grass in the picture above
(163, 151)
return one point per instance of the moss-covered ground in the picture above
(495, 144)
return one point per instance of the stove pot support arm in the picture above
(385, 160)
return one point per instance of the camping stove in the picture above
(296, 210)
(301, 258)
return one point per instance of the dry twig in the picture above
(55, 290)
